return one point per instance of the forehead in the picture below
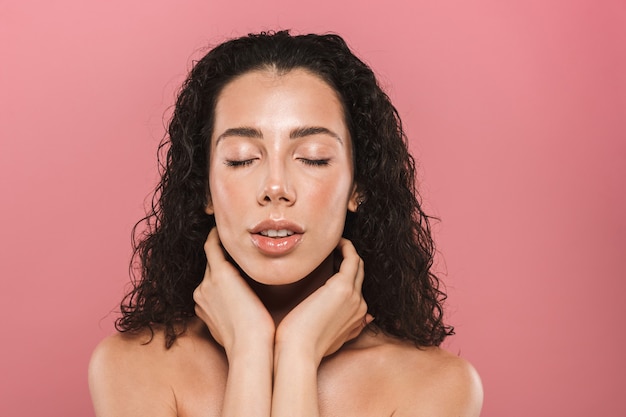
(263, 95)
(273, 77)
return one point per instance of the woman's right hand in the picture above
(234, 314)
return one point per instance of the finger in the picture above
(349, 252)
(367, 319)
(213, 249)
(360, 275)
(358, 329)
(197, 308)
(350, 263)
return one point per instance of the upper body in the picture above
(373, 375)
(285, 269)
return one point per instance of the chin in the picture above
(276, 272)
(277, 275)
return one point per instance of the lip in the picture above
(276, 225)
(276, 246)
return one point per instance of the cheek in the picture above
(225, 191)
(224, 206)
(333, 192)
(225, 211)
(328, 204)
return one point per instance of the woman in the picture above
(312, 294)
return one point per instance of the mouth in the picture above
(276, 237)
(276, 233)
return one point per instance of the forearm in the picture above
(295, 384)
(249, 385)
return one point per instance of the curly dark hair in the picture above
(390, 231)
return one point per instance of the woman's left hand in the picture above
(334, 314)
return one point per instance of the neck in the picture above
(281, 299)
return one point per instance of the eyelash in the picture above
(236, 164)
(315, 162)
(246, 162)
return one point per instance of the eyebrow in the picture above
(313, 130)
(244, 132)
(300, 132)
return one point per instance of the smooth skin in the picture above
(289, 335)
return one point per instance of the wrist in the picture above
(296, 356)
(251, 346)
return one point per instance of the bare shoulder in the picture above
(427, 381)
(124, 380)
(434, 382)
(135, 374)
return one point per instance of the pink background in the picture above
(516, 111)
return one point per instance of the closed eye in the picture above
(315, 162)
(236, 163)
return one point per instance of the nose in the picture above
(276, 187)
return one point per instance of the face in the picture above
(280, 173)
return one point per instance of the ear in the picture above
(208, 209)
(355, 200)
